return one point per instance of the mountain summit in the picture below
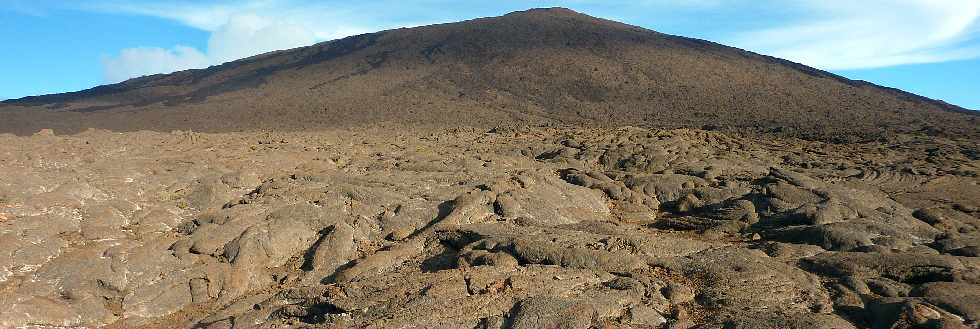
(541, 65)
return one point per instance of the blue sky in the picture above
(929, 47)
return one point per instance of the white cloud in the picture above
(134, 62)
(242, 30)
(249, 35)
(240, 37)
(848, 34)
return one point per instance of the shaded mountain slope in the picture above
(544, 65)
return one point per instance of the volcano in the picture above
(536, 66)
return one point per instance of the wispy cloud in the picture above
(847, 34)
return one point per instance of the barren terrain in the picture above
(513, 227)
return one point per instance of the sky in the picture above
(928, 47)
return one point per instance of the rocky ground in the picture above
(515, 227)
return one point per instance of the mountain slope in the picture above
(543, 65)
